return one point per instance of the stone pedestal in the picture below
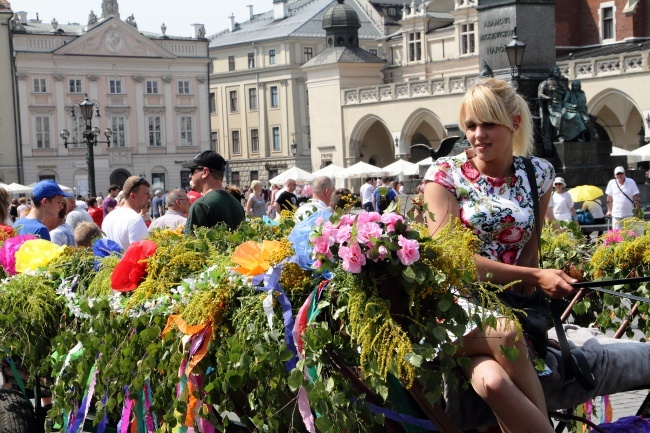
(588, 163)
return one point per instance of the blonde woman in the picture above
(488, 189)
(256, 205)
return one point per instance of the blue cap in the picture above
(48, 189)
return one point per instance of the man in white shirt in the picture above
(178, 203)
(367, 197)
(622, 197)
(124, 224)
(77, 213)
(322, 189)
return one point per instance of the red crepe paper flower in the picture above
(132, 269)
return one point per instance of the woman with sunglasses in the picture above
(563, 206)
(488, 190)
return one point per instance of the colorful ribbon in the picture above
(82, 412)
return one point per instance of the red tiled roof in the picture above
(4, 5)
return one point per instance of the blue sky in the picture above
(149, 14)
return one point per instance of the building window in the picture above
(254, 175)
(273, 172)
(214, 139)
(467, 39)
(184, 87)
(231, 63)
(392, 12)
(213, 103)
(43, 133)
(415, 47)
(185, 180)
(275, 132)
(118, 126)
(77, 129)
(252, 98)
(40, 85)
(234, 178)
(233, 101)
(607, 21)
(115, 86)
(152, 87)
(154, 128)
(372, 51)
(74, 85)
(255, 141)
(236, 145)
(251, 60)
(186, 131)
(308, 53)
(158, 181)
(275, 103)
(271, 57)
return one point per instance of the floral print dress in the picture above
(498, 210)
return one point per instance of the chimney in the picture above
(195, 30)
(232, 23)
(250, 11)
(22, 16)
(280, 9)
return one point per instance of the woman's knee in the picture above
(492, 383)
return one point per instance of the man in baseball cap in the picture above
(217, 205)
(48, 199)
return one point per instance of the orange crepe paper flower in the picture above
(254, 258)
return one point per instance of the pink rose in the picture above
(508, 256)
(317, 264)
(368, 217)
(383, 252)
(353, 258)
(508, 219)
(322, 245)
(343, 234)
(410, 251)
(470, 172)
(390, 219)
(328, 229)
(366, 231)
(347, 219)
(511, 235)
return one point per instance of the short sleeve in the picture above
(441, 173)
(544, 175)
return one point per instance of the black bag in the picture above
(534, 317)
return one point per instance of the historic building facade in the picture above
(152, 92)
(10, 167)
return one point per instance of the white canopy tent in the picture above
(16, 188)
(294, 173)
(402, 167)
(631, 157)
(331, 170)
(361, 169)
(642, 152)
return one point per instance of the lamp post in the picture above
(515, 50)
(293, 146)
(86, 108)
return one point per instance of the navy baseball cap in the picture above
(209, 159)
(48, 189)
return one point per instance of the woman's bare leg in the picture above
(511, 389)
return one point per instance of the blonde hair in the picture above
(495, 101)
(255, 183)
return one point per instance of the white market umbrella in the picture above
(16, 188)
(65, 188)
(402, 167)
(618, 151)
(294, 173)
(643, 152)
(331, 171)
(425, 161)
(363, 169)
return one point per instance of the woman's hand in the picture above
(555, 283)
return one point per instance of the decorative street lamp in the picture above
(515, 50)
(294, 146)
(86, 108)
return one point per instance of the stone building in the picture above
(10, 167)
(151, 89)
(360, 109)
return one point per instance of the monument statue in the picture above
(92, 18)
(200, 33)
(550, 95)
(130, 20)
(575, 118)
(16, 24)
(110, 8)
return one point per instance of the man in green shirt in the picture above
(217, 205)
